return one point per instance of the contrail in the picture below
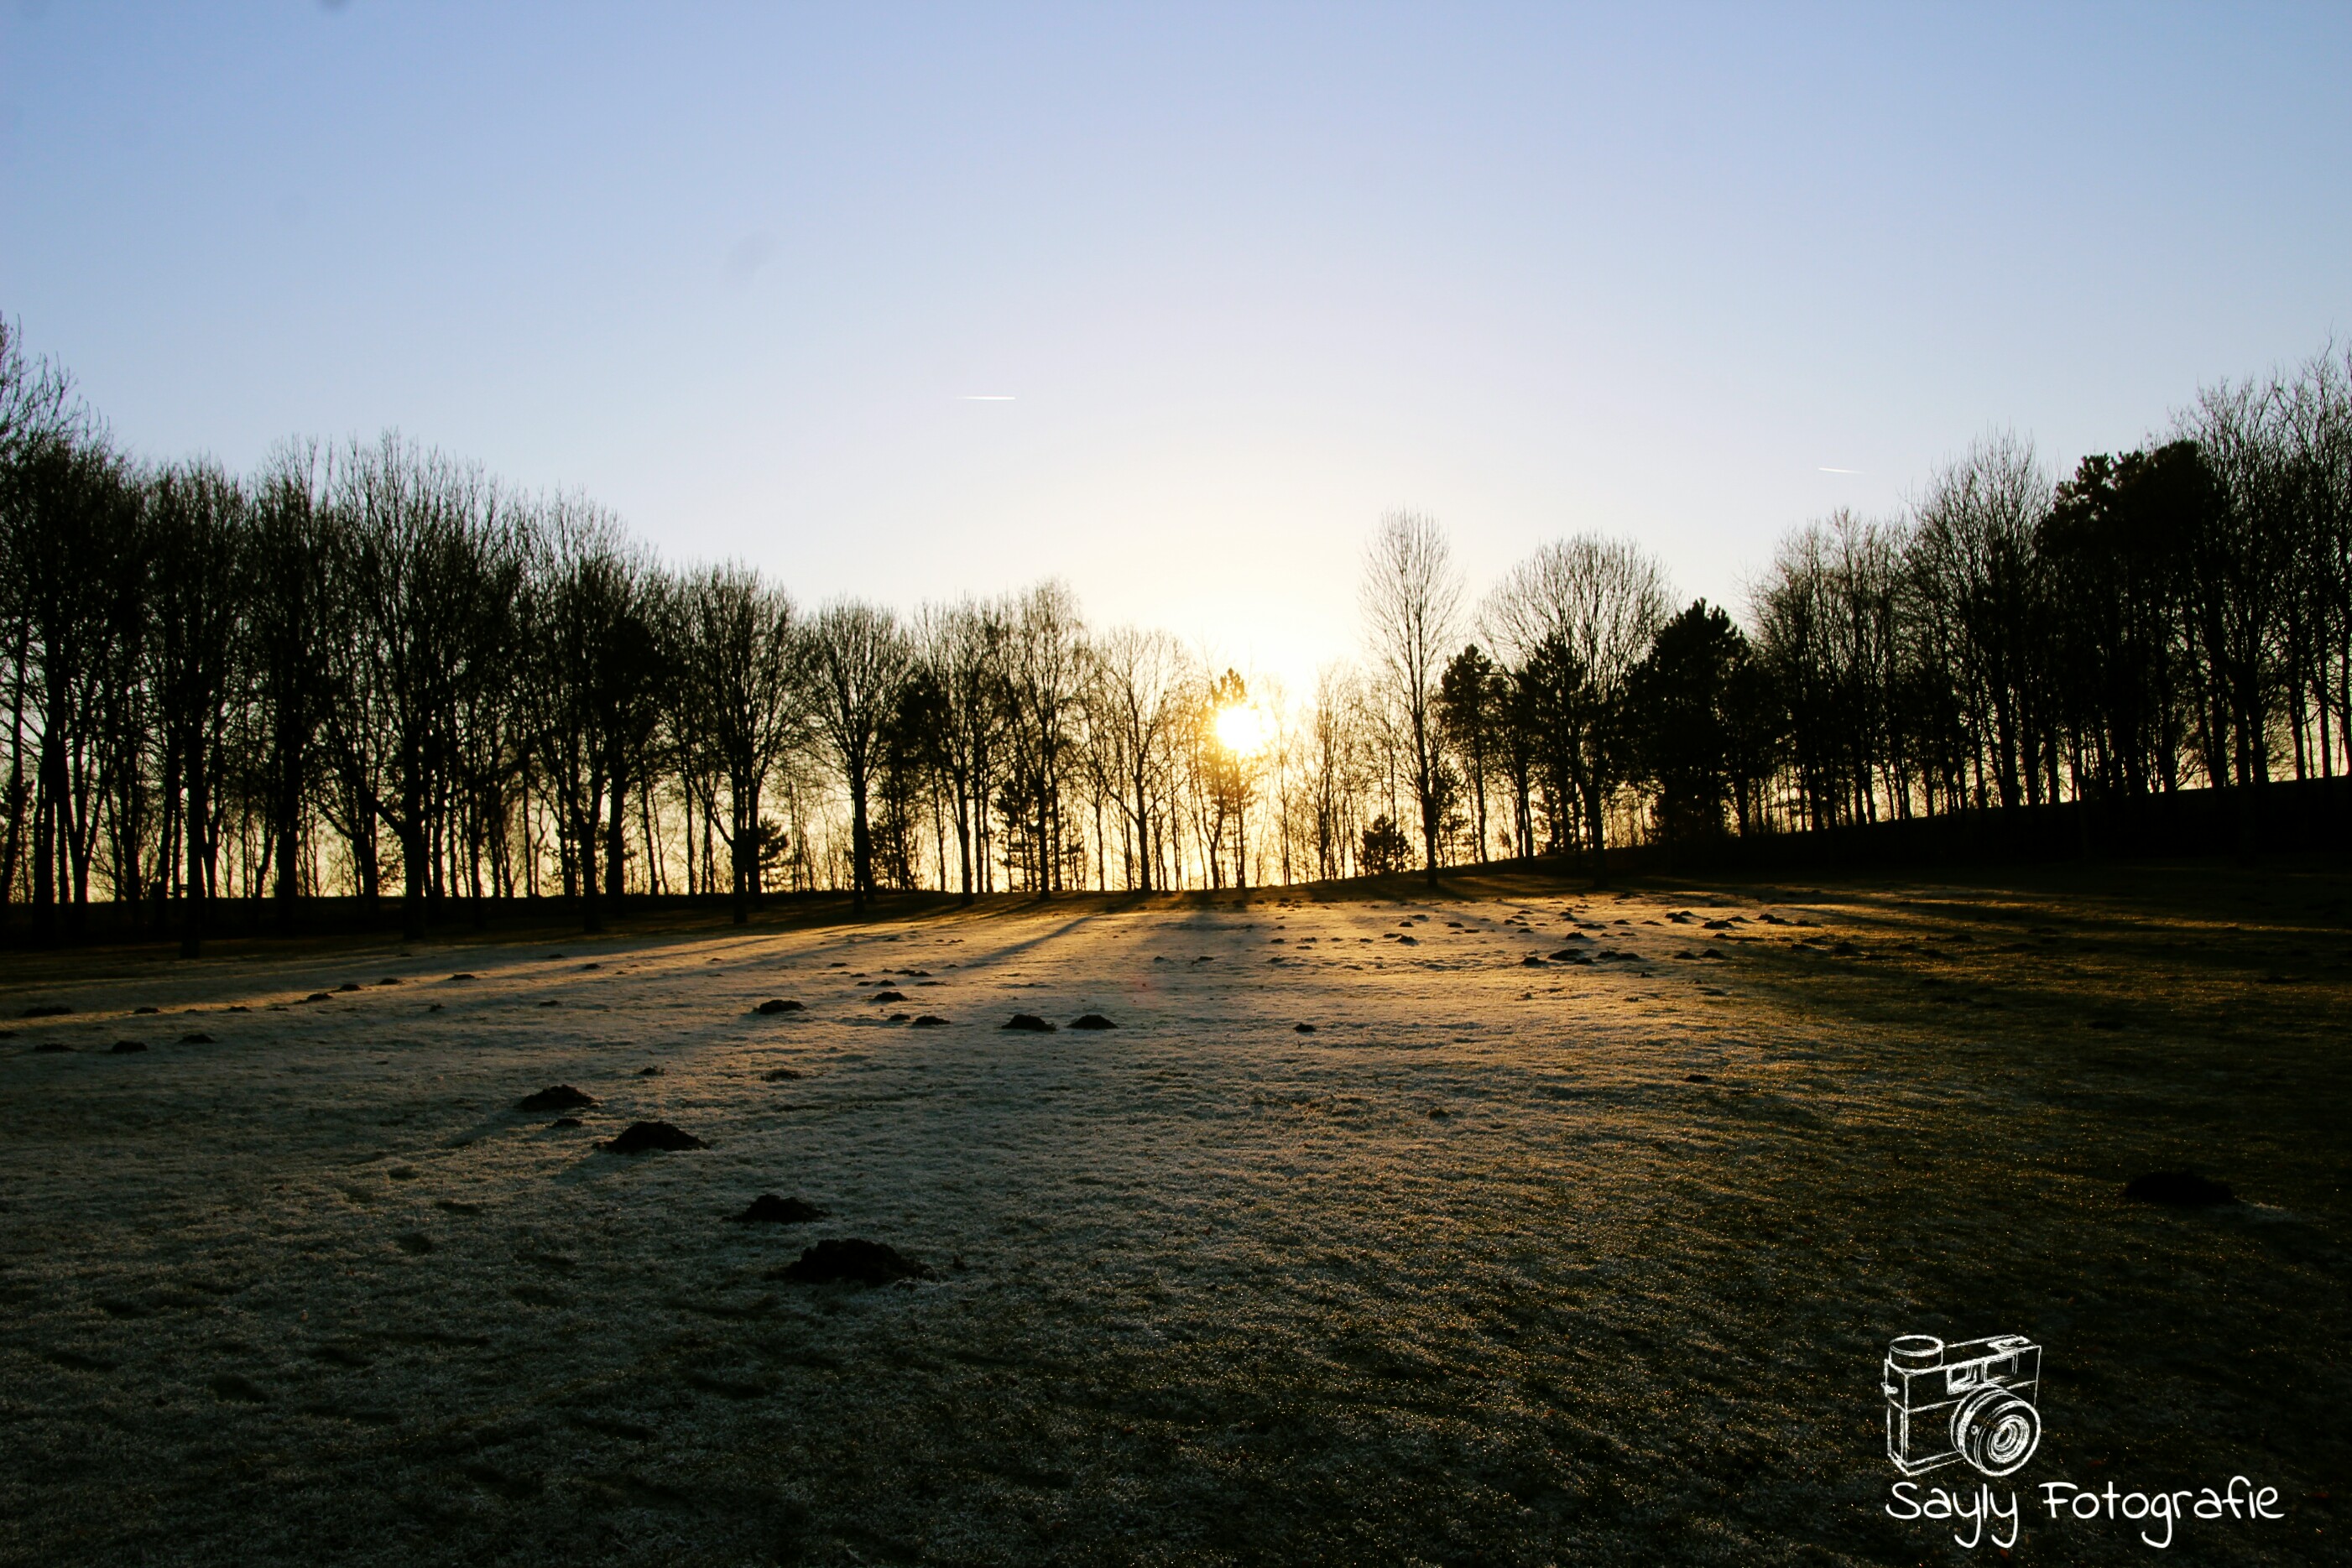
(1840, 470)
(988, 397)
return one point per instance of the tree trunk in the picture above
(1429, 823)
(50, 792)
(749, 848)
(193, 905)
(1143, 833)
(413, 872)
(617, 819)
(1596, 824)
(963, 836)
(861, 847)
(289, 805)
(583, 828)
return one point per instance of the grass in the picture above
(1472, 1273)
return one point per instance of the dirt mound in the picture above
(653, 1072)
(780, 1075)
(1091, 1020)
(567, 1122)
(853, 1259)
(559, 1097)
(124, 1047)
(1531, 962)
(1697, 1078)
(146, 1009)
(463, 976)
(928, 1020)
(640, 1137)
(196, 1038)
(768, 1209)
(774, 1005)
(2180, 1189)
(1031, 1022)
(1303, 1028)
(45, 1010)
(53, 1045)
(887, 997)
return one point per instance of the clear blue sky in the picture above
(1249, 275)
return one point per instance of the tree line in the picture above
(370, 668)
(2171, 617)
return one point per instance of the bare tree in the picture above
(1230, 748)
(1831, 614)
(596, 690)
(482, 745)
(202, 557)
(1339, 769)
(286, 629)
(412, 582)
(1411, 599)
(963, 655)
(1045, 680)
(739, 651)
(1974, 573)
(856, 660)
(1135, 703)
(2241, 568)
(1573, 620)
(37, 399)
(72, 522)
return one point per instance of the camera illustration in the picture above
(1973, 1400)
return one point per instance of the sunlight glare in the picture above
(1242, 729)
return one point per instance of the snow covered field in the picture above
(1503, 1262)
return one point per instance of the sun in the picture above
(1242, 729)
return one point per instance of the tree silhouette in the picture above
(857, 660)
(1412, 598)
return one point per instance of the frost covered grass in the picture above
(1501, 1263)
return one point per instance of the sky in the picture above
(1175, 302)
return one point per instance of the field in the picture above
(1504, 1263)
